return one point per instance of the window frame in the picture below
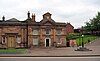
(18, 41)
(36, 40)
(35, 32)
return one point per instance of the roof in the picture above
(16, 22)
(46, 20)
(59, 23)
(12, 20)
(47, 14)
(68, 24)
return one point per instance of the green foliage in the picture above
(93, 24)
(72, 36)
(78, 37)
(85, 39)
(12, 51)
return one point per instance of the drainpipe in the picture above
(27, 34)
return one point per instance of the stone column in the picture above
(41, 34)
(54, 34)
(0, 35)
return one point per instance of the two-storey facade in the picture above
(29, 33)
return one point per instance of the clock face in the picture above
(47, 17)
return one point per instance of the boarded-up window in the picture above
(35, 41)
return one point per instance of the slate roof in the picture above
(12, 20)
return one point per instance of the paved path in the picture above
(94, 43)
(66, 51)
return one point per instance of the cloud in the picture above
(74, 11)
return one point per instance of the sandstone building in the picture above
(29, 33)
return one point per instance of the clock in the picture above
(47, 17)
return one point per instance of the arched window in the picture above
(35, 32)
(3, 40)
(58, 31)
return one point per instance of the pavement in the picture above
(61, 52)
(49, 58)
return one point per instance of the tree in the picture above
(93, 24)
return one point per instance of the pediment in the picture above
(47, 23)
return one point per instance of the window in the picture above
(47, 31)
(58, 32)
(35, 32)
(18, 40)
(35, 41)
(58, 39)
(3, 40)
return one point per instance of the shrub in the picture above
(72, 36)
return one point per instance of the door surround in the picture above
(11, 40)
(46, 42)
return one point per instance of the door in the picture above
(47, 42)
(11, 41)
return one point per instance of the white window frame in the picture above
(49, 42)
(3, 40)
(36, 40)
(35, 32)
(18, 40)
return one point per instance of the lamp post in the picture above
(82, 48)
(82, 41)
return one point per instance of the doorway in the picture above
(47, 42)
(11, 42)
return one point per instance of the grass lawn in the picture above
(85, 39)
(12, 51)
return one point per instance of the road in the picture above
(49, 58)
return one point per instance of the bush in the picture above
(78, 37)
(86, 39)
(72, 36)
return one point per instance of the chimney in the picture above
(3, 18)
(28, 15)
(33, 17)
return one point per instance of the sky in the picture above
(76, 12)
